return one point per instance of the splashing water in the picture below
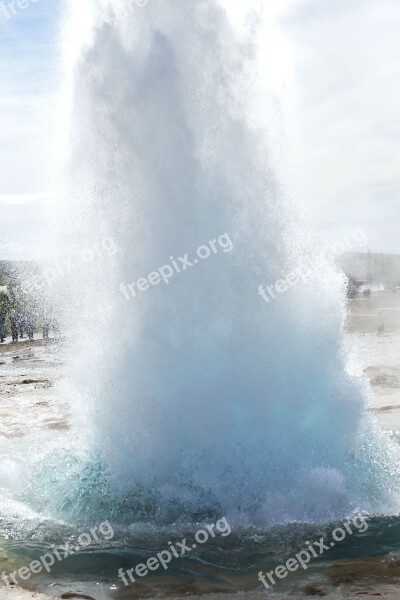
(203, 399)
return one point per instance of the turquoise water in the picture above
(224, 564)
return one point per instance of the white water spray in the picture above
(203, 398)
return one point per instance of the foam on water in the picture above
(202, 398)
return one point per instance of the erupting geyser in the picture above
(204, 399)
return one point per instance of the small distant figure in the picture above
(14, 326)
(56, 329)
(46, 326)
(352, 291)
(367, 293)
(381, 329)
(46, 320)
(2, 327)
(29, 327)
(21, 326)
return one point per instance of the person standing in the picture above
(14, 325)
(29, 326)
(46, 325)
(2, 326)
(21, 325)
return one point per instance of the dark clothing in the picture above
(21, 325)
(14, 328)
(2, 323)
(29, 330)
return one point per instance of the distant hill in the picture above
(375, 269)
(11, 272)
(14, 276)
(5, 267)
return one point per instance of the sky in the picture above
(28, 93)
(342, 121)
(346, 115)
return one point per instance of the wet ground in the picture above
(27, 375)
(373, 328)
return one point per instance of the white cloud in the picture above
(345, 120)
(18, 199)
(28, 89)
(27, 98)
